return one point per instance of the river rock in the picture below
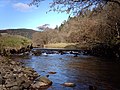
(2, 81)
(69, 84)
(2, 87)
(42, 82)
(14, 88)
(45, 80)
(52, 72)
(13, 62)
(47, 75)
(10, 84)
(26, 84)
(14, 76)
(36, 52)
(39, 85)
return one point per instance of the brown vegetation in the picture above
(76, 7)
(91, 29)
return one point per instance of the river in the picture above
(82, 70)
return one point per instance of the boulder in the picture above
(39, 85)
(45, 80)
(42, 82)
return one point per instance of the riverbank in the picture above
(13, 42)
(15, 76)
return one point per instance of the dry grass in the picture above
(59, 45)
(68, 46)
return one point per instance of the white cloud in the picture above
(23, 7)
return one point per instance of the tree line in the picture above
(90, 29)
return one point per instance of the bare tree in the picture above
(75, 6)
(43, 27)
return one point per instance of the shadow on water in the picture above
(81, 70)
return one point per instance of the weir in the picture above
(62, 50)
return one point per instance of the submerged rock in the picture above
(45, 80)
(69, 84)
(52, 72)
(47, 75)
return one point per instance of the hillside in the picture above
(22, 32)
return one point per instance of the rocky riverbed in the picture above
(15, 76)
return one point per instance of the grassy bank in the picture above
(13, 41)
(69, 46)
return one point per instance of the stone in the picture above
(13, 62)
(15, 88)
(11, 84)
(2, 87)
(39, 85)
(69, 84)
(45, 80)
(36, 52)
(26, 85)
(42, 82)
(2, 81)
(52, 72)
(47, 75)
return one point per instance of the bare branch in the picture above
(74, 6)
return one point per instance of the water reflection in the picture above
(81, 70)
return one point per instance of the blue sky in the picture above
(17, 14)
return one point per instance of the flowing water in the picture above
(82, 70)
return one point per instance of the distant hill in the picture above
(22, 32)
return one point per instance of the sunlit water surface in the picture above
(81, 70)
